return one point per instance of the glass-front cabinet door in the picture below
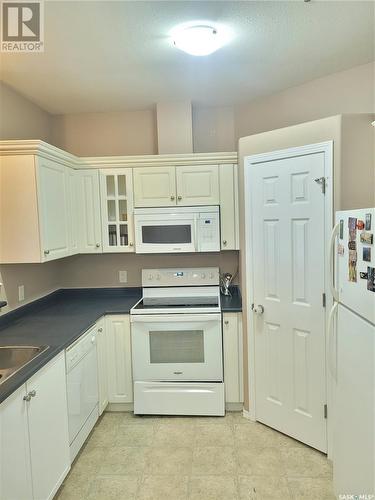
(117, 209)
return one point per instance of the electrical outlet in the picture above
(21, 293)
(123, 276)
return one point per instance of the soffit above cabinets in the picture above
(45, 150)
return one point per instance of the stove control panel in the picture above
(180, 276)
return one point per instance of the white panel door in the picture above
(53, 209)
(198, 185)
(15, 465)
(48, 428)
(119, 359)
(90, 220)
(154, 186)
(288, 243)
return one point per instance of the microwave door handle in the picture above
(195, 230)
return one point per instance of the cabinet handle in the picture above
(29, 395)
(46, 252)
(179, 198)
(100, 330)
(225, 242)
(226, 322)
(130, 244)
(97, 245)
(172, 197)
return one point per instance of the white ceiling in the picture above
(116, 55)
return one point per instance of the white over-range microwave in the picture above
(177, 229)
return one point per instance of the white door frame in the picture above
(249, 162)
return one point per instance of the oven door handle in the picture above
(175, 318)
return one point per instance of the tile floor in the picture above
(194, 458)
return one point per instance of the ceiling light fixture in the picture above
(200, 38)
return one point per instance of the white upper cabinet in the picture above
(229, 207)
(53, 209)
(90, 236)
(171, 186)
(154, 186)
(74, 210)
(198, 185)
(116, 194)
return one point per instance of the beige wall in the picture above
(106, 134)
(102, 270)
(38, 280)
(353, 136)
(350, 91)
(22, 119)
(213, 129)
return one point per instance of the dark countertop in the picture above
(60, 318)
(233, 302)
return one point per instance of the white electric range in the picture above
(177, 343)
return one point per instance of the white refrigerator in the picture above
(352, 353)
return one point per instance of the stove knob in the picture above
(158, 276)
(211, 276)
(203, 276)
(150, 277)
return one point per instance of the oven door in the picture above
(165, 234)
(184, 347)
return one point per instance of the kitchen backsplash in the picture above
(97, 271)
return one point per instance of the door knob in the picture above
(258, 310)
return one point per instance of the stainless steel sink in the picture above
(15, 357)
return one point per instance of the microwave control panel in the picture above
(209, 233)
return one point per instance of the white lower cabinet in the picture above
(101, 346)
(119, 360)
(233, 357)
(34, 436)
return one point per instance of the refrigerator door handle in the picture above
(332, 314)
(334, 291)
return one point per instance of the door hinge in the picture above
(322, 182)
(324, 299)
(325, 411)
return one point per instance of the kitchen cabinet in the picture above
(229, 207)
(116, 193)
(181, 185)
(34, 436)
(101, 345)
(119, 361)
(233, 357)
(197, 185)
(154, 186)
(15, 465)
(74, 209)
(90, 232)
(53, 209)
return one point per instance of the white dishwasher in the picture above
(82, 388)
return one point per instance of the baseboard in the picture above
(234, 406)
(248, 415)
(119, 407)
(113, 407)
